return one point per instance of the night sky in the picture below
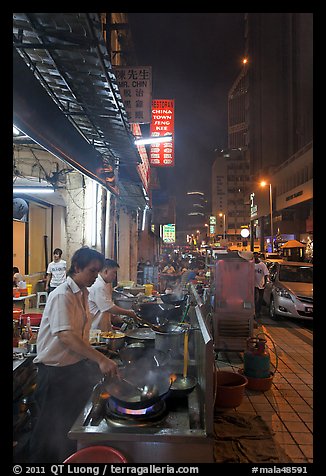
(195, 58)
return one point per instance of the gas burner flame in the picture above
(173, 377)
(131, 411)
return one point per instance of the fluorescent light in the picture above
(15, 131)
(33, 190)
(153, 140)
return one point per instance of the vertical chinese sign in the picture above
(162, 154)
(135, 86)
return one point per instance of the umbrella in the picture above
(293, 244)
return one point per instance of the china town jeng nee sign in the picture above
(162, 154)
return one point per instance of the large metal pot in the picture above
(170, 340)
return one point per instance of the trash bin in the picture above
(96, 454)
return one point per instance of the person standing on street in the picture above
(56, 272)
(261, 273)
(100, 300)
(68, 366)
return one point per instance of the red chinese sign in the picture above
(162, 154)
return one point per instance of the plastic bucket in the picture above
(148, 289)
(230, 389)
(97, 454)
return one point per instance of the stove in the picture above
(174, 429)
(117, 415)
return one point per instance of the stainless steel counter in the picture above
(185, 435)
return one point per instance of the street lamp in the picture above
(223, 215)
(263, 183)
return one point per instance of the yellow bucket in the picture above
(29, 288)
(148, 289)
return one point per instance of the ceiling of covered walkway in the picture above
(66, 97)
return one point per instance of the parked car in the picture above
(289, 291)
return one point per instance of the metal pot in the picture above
(114, 343)
(170, 340)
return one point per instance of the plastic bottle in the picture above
(29, 332)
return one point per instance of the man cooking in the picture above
(101, 305)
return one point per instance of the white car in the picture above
(289, 291)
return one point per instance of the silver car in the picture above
(289, 291)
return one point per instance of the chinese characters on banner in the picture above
(135, 85)
(162, 154)
(169, 233)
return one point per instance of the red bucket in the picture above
(97, 454)
(35, 318)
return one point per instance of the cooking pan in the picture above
(174, 299)
(182, 386)
(125, 395)
(158, 314)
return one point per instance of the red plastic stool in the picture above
(97, 454)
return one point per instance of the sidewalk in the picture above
(287, 406)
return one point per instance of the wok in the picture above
(182, 386)
(123, 394)
(173, 299)
(158, 314)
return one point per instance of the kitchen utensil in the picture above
(158, 313)
(147, 391)
(182, 386)
(174, 299)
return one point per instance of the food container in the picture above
(113, 340)
(29, 288)
(148, 289)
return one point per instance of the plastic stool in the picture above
(40, 300)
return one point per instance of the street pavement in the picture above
(287, 407)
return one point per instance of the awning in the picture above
(66, 96)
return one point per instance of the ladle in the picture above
(146, 391)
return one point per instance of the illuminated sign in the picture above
(162, 154)
(212, 220)
(169, 233)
